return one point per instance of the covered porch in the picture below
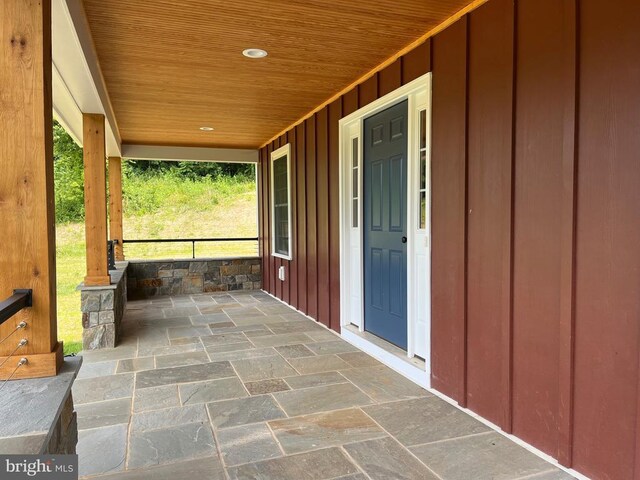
(239, 385)
(448, 263)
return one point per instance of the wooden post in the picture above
(27, 243)
(115, 205)
(95, 199)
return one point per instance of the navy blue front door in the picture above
(385, 229)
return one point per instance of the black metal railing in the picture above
(16, 302)
(191, 240)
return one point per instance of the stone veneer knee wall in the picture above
(102, 310)
(153, 278)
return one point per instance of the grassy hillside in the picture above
(160, 206)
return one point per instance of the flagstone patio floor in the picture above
(241, 386)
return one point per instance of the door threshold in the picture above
(415, 369)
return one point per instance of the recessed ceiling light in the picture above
(254, 53)
(206, 129)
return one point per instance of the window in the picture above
(355, 185)
(281, 203)
(422, 188)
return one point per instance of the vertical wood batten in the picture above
(95, 199)
(489, 226)
(335, 113)
(322, 175)
(27, 245)
(115, 205)
(312, 251)
(449, 212)
(302, 217)
(568, 234)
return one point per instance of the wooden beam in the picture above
(27, 244)
(115, 205)
(95, 200)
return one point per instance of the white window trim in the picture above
(275, 155)
(418, 94)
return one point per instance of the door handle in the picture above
(404, 239)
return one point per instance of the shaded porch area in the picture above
(239, 385)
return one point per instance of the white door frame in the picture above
(418, 96)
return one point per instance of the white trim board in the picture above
(78, 84)
(284, 151)
(418, 96)
(189, 154)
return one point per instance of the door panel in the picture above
(385, 224)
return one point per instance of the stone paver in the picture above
(267, 386)
(156, 398)
(424, 420)
(385, 459)
(103, 414)
(211, 391)
(324, 430)
(483, 457)
(321, 399)
(166, 445)
(102, 450)
(237, 385)
(246, 444)
(232, 413)
(318, 465)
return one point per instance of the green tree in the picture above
(68, 177)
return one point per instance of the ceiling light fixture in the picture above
(254, 53)
(206, 129)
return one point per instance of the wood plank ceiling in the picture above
(172, 66)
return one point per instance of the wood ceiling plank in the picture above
(171, 66)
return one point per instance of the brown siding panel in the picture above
(350, 102)
(335, 112)
(322, 166)
(448, 222)
(312, 246)
(537, 220)
(390, 78)
(489, 200)
(368, 91)
(608, 241)
(417, 62)
(301, 231)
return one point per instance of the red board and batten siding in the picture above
(535, 221)
(315, 151)
(536, 225)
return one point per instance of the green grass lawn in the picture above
(176, 209)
